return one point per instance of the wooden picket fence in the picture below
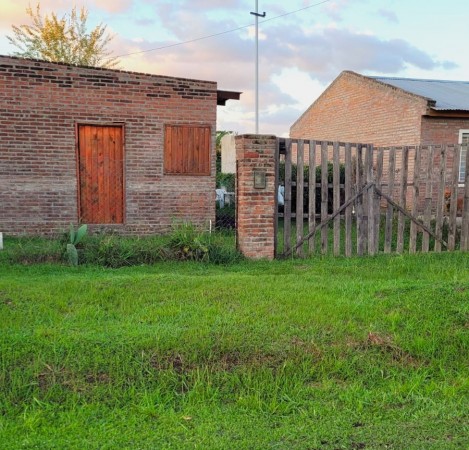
(353, 199)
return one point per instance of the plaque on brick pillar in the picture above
(259, 179)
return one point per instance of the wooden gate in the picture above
(101, 174)
(348, 199)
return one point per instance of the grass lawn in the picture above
(323, 353)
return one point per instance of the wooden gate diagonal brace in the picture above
(412, 218)
(330, 218)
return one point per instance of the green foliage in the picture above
(227, 180)
(223, 179)
(110, 250)
(75, 238)
(185, 242)
(32, 250)
(72, 255)
(188, 243)
(219, 137)
(64, 39)
(222, 248)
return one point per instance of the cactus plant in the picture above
(75, 238)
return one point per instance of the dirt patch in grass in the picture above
(6, 300)
(227, 361)
(387, 346)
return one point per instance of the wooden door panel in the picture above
(100, 157)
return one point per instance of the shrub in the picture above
(115, 251)
(187, 242)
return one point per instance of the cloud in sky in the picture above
(391, 16)
(300, 54)
(321, 53)
(209, 4)
(334, 9)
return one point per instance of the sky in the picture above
(303, 45)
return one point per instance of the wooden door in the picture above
(101, 174)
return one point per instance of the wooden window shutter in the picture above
(187, 150)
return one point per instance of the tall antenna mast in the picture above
(257, 15)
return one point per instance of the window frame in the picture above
(461, 178)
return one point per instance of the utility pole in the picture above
(257, 15)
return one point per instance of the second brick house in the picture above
(389, 112)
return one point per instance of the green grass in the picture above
(300, 354)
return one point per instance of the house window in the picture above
(464, 141)
(187, 150)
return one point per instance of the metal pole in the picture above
(257, 15)
(257, 67)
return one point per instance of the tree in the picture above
(63, 39)
(219, 137)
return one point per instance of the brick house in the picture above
(389, 112)
(126, 151)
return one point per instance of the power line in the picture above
(222, 32)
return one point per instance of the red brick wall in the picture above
(355, 108)
(255, 208)
(41, 104)
(442, 130)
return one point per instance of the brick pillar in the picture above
(255, 206)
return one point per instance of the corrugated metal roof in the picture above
(448, 95)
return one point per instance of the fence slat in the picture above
(390, 210)
(377, 199)
(348, 195)
(415, 199)
(324, 196)
(440, 204)
(312, 197)
(287, 198)
(336, 194)
(402, 200)
(454, 199)
(276, 184)
(465, 216)
(427, 210)
(370, 200)
(299, 194)
(359, 202)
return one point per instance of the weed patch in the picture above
(184, 243)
